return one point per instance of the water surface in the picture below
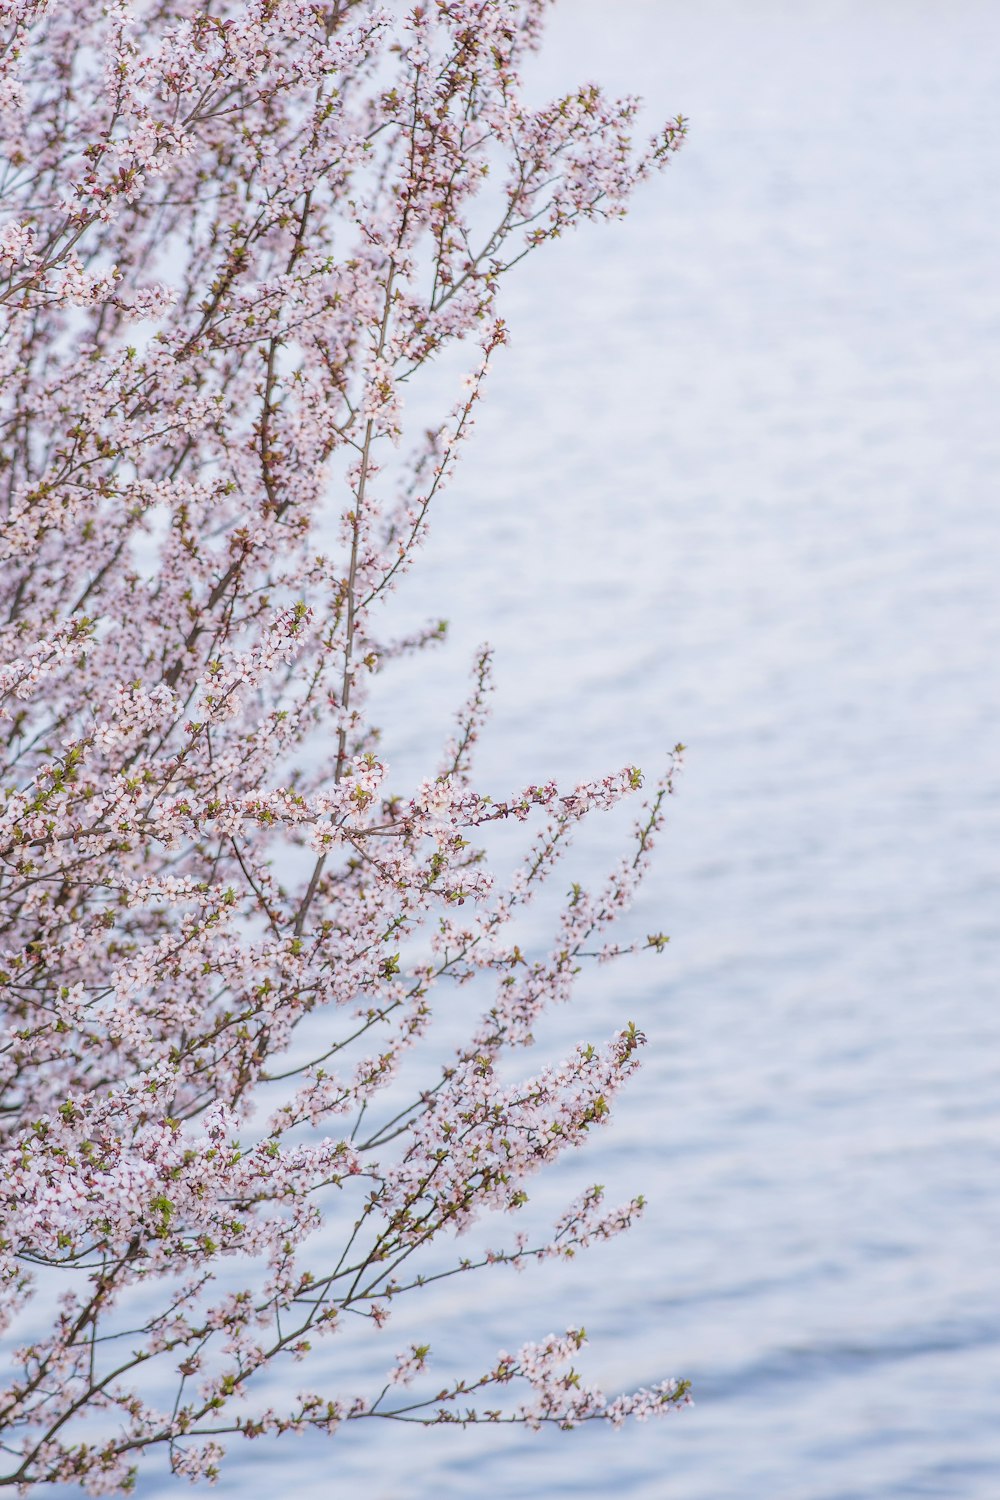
(736, 483)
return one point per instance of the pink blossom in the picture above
(233, 234)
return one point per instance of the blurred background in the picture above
(735, 483)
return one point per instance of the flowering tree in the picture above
(233, 233)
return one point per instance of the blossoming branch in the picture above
(232, 236)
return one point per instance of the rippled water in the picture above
(735, 484)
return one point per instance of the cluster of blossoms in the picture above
(232, 236)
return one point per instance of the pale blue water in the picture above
(736, 483)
